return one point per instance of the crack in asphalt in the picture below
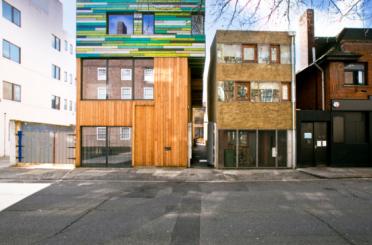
(340, 234)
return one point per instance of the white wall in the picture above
(39, 20)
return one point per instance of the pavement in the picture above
(4, 163)
(338, 173)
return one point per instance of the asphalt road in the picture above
(131, 212)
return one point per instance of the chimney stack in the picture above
(307, 39)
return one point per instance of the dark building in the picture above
(334, 97)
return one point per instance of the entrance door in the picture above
(314, 143)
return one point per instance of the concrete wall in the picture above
(39, 20)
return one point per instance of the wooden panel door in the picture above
(143, 139)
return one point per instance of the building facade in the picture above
(334, 91)
(37, 78)
(251, 100)
(140, 67)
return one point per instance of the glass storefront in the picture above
(253, 148)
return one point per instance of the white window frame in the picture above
(125, 135)
(100, 92)
(124, 91)
(101, 74)
(99, 134)
(146, 91)
(148, 75)
(65, 73)
(126, 74)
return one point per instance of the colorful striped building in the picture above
(140, 68)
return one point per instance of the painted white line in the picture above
(11, 193)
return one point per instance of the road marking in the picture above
(11, 193)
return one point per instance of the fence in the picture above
(46, 147)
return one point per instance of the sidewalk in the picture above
(338, 173)
(4, 163)
(149, 175)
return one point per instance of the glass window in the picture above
(197, 24)
(228, 53)
(355, 74)
(56, 72)
(225, 91)
(125, 133)
(90, 78)
(282, 148)
(71, 79)
(263, 54)
(265, 91)
(267, 151)
(101, 74)
(250, 53)
(56, 102)
(7, 91)
(66, 45)
(355, 125)
(227, 148)
(101, 133)
(286, 91)
(65, 104)
(247, 149)
(11, 51)
(70, 105)
(101, 93)
(285, 54)
(121, 24)
(338, 129)
(11, 13)
(274, 54)
(148, 24)
(242, 91)
(126, 93)
(143, 79)
(65, 74)
(56, 43)
(120, 76)
(71, 49)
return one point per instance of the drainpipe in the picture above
(4, 134)
(323, 90)
(293, 87)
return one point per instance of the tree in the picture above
(248, 12)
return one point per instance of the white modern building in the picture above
(37, 69)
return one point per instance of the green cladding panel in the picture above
(172, 29)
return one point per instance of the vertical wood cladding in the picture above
(160, 126)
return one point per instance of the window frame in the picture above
(13, 9)
(100, 134)
(143, 23)
(249, 45)
(122, 89)
(56, 43)
(277, 46)
(13, 92)
(247, 84)
(365, 75)
(119, 13)
(10, 45)
(56, 72)
(203, 24)
(288, 85)
(148, 89)
(56, 102)
(123, 136)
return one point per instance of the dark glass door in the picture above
(307, 143)
(314, 143)
(321, 142)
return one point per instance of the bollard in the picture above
(19, 134)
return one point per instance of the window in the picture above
(126, 93)
(66, 45)
(11, 51)
(11, 91)
(148, 93)
(338, 129)
(263, 54)
(11, 13)
(148, 75)
(70, 105)
(285, 54)
(197, 24)
(56, 102)
(65, 104)
(225, 91)
(56, 72)
(286, 91)
(148, 24)
(101, 93)
(71, 49)
(355, 74)
(250, 53)
(101, 74)
(274, 54)
(125, 133)
(65, 73)
(56, 43)
(126, 74)
(70, 78)
(355, 128)
(265, 91)
(121, 24)
(229, 53)
(101, 133)
(241, 90)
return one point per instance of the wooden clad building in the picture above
(251, 100)
(140, 66)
